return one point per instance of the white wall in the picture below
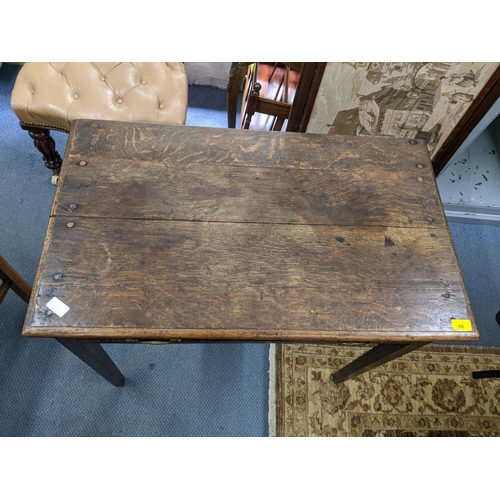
(212, 74)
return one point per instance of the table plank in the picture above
(362, 194)
(187, 145)
(151, 279)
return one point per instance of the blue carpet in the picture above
(478, 251)
(171, 390)
(207, 107)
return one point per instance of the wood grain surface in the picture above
(185, 145)
(164, 232)
(346, 195)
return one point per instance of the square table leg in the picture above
(380, 354)
(96, 357)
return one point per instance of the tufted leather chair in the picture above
(51, 95)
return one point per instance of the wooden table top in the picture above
(168, 232)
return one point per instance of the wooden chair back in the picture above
(12, 279)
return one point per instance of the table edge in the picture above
(250, 335)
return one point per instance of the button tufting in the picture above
(56, 96)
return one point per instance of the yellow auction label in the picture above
(463, 325)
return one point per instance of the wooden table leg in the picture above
(486, 374)
(95, 356)
(380, 354)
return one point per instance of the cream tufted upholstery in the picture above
(54, 94)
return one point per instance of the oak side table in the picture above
(176, 233)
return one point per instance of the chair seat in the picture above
(55, 94)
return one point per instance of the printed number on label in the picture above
(463, 325)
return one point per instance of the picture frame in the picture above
(438, 102)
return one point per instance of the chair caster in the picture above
(55, 179)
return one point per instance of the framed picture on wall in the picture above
(438, 102)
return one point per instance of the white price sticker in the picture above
(57, 306)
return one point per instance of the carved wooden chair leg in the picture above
(47, 146)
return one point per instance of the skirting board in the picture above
(471, 214)
(210, 74)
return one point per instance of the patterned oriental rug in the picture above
(429, 392)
